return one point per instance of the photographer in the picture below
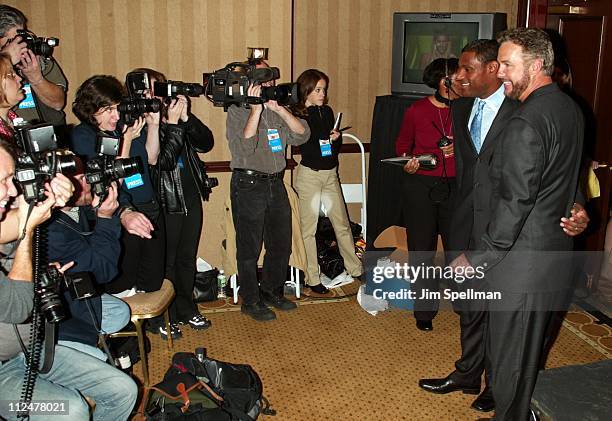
(143, 242)
(72, 372)
(260, 208)
(181, 178)
(45, 85)
(91, 239)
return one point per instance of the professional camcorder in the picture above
(172, 88)
(39, 161)
(52, 282)
(101, 171)
(229, 85)
(136, 104)
(40, 46)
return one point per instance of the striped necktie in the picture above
(476, 126)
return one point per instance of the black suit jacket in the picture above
(534, 175)
(473, 194)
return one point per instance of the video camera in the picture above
(39, 161)
(172, 88)
(40, 46)
(101, 171)
(229, 85)
(136, 104)
(52, 281)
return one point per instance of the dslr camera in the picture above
(228, 86)
(101, 171)
(39, 160)
(208, 184)
(137, 103)
(40, 46)
(52, 283)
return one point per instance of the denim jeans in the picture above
(73, 376)
(115, 315)
(261, 214)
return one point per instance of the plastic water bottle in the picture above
(124, 362)
(221, 283)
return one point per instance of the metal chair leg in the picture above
(167, 320)
(143, 351)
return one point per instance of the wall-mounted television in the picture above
(419, 38)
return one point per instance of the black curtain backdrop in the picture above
(384, 198)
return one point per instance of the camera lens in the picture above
(284, 94)
(51, 306)
(126, 167)
(66, 164)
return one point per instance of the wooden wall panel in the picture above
(348, 39)
(180, 38)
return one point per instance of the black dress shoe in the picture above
(484, 402)
(258, 311)
(447, 385)
(278, 301)
(425, 325)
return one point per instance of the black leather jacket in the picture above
(194, 137)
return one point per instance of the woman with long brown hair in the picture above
(317, 180)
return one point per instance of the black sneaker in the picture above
(258, 311)
(319, 289)
(199, 322)
(278, 301)
(175, 331)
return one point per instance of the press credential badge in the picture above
(274, 141)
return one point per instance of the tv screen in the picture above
(420, 38)
(425, 41)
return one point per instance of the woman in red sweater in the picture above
(427, 193)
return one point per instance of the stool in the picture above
(146, 306)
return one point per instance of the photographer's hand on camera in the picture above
(250, 128)
(292, 121)
(49, 93)
(62, 188)
(15, 48)
(152, 119)
(185, 113)
(110, 204)
(40, 212)
(136, 223)
(176, 109)
(61, 268)
(130, 133)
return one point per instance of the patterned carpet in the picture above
(337, 362)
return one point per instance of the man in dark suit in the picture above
(534, 177)
(476, 138)
(477, 77)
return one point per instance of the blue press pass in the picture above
(326, 147)
(133, 181)
(274, 141)
(179, 163)
(28, 101)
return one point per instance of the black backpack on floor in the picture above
(236, 388)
